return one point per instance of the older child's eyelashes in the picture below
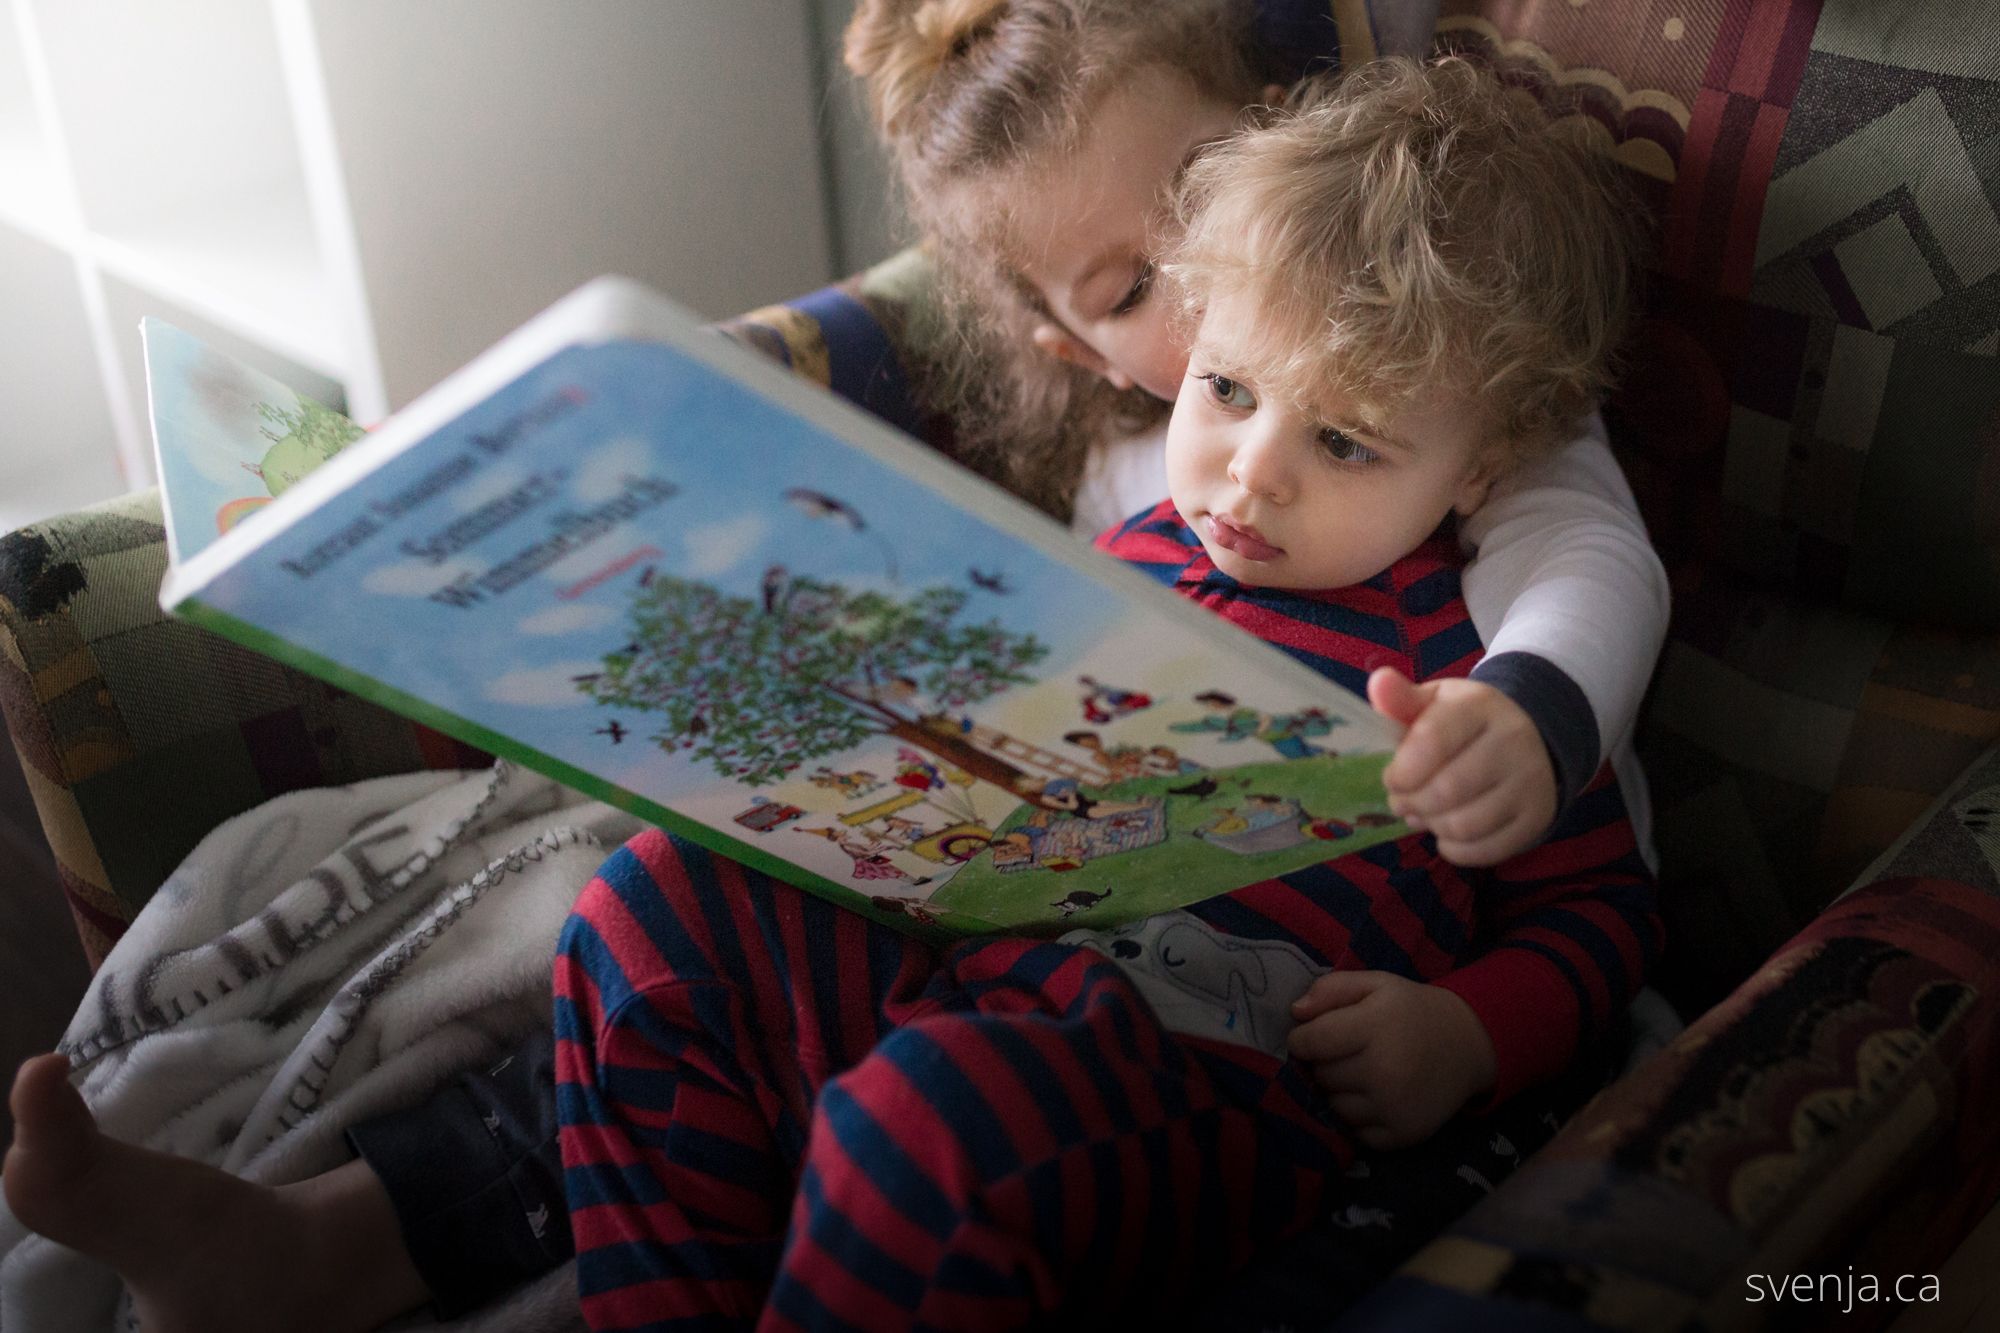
(1229, 392)
(1141, 286)
(1344, 448)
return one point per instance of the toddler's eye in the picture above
(1133, 298)
(1344, 448)
(1230, 393)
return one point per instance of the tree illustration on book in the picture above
(756, 688)
(302, 437)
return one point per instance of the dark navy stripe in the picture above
(584, 947)
(863, 365)
(932, 1068)
(1445, 647)
(608, 1183)
(1559, 709)
(1421, 892)
(1351, 678)
(628, 1263)
(899, 1179)
(855, 1252)
(965, 1275)
(1432, 593)
(1333, 893)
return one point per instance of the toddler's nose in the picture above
(1259, 466)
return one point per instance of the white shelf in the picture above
(357, 196)
(247, 263)
(31, 193)
(33, 197)
(57, 450)
(162, 106)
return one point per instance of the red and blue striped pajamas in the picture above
(779, 1113)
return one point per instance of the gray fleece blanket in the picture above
(326, 957)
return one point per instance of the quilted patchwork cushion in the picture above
(137, 733)
(1814, 402)
(1811, 420)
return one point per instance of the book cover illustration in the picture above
(668, 590)
(228, 439)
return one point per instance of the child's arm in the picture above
(1572, 929)
(1571, 602)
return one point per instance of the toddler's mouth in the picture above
(1241, 539)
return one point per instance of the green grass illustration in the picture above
(1157, 878)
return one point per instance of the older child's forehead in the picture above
(1074, 214)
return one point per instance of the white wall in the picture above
(670, 142)
(867, 225)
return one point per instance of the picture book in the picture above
(629, 553)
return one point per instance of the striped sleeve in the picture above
(1571, 928)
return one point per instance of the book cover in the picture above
(631, 554)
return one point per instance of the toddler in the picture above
(778, 1111)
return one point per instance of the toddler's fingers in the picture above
(1341, 1076)
(1481, 817)
(1434, 741)
(1378, 1137)
(1332, 990)
(1513, 838)
(1334, 1036)
(1355, 1108)
(1472, 776)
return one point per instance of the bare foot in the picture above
(203, 1251)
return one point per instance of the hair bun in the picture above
(944, 28)
(898, 51)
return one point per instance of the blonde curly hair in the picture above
(1413, 226)
(964, 92)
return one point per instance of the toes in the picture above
(51, 1119)
(55, 1143)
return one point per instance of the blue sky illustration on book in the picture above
(624, 547)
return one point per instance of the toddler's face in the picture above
(1087, 228)
(1286, 498)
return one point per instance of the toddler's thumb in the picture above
(1396, 696)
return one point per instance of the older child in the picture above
(1038, 143)
(777, 1112)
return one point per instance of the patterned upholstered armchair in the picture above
(1813, 425)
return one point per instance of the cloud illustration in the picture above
(572, 619)
(488, 483)
(543, 687)
(602, 473)
(716, 548)
(417, 578)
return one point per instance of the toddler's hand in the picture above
(1472, 768)
(1396, 1058)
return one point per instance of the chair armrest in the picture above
(139, 733)
(1842, 1107)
